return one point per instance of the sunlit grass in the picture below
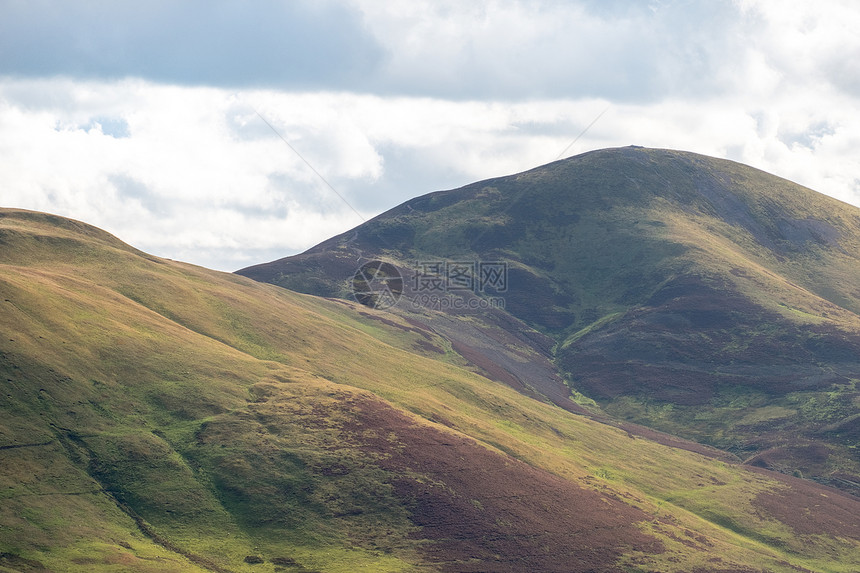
(178, 396)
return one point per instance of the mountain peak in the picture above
(183, 419)
(665, 279)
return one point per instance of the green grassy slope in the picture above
(695, 295)
(162, 417)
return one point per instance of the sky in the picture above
(227, 133)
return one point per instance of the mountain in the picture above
(157, 416)
(689, 294)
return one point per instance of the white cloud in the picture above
(201, 177)
(505, 49)
(455, 92)
(810, 43)
(182, 179)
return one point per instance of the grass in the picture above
(598, 236)
(187, 420)
(600, 247)
(603, 321)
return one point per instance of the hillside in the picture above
(693, 295)
(158, 416)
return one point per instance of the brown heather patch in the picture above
(485, 511)
(809, 508)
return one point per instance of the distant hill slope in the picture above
(156, 416)
(695, 295)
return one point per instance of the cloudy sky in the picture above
(227, 133)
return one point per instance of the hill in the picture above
(694, 295)
(158, 416)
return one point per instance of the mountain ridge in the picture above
(158, 416)
(678, 289)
